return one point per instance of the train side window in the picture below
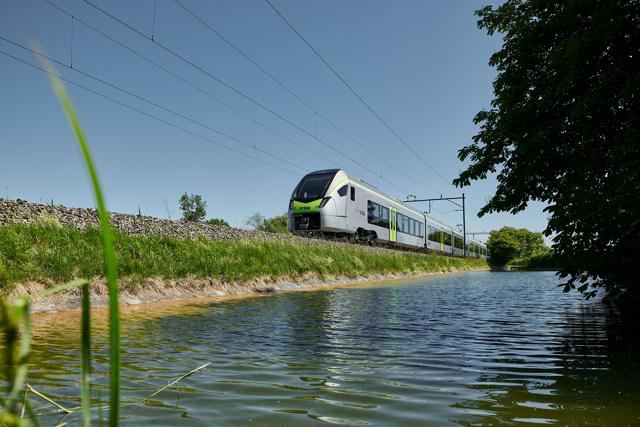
(385, 213)
(353, 193)
(373, 214)
(343, 191)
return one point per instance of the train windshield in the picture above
(313, 187)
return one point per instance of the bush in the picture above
(216, 221)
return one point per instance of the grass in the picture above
(51, 255)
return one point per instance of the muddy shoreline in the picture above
(160, 290)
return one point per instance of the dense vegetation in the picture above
(508, 244)
(275, 224)
(564, 128)
(53, 254)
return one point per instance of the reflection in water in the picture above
(466, 349)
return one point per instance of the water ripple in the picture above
(466, 349)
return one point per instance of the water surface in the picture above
(472, 349)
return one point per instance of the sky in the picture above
(237, 100)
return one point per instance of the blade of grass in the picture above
(184, 376)
(21, 310)
(47, 399)
(107, 240)
(24, 402)
(86, 356)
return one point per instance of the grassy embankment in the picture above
(50, 254)
(547, 260)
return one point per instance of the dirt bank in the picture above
(158, 290)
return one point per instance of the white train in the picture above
(332, 201)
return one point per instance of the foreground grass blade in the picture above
(176, 381)
(107, 240)
(86, 355)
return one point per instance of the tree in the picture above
(564, 129)
(509, 243)
(254, 221)
(503, 247)
(216, 221)
(193, 208)
(276, 224)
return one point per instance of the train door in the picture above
(392, 225)
(442, 240)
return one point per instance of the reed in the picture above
(18, 314)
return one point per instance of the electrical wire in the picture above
(146, 114)
(191, 84)
(237, 91)
(354, 92)
(298, 97)
(154, 104)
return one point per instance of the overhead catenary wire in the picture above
(147, 114)
(190, 84)
(314, 110)
(154, 104)
(356, 94)
(236, 91)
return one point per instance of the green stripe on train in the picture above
(299, 207)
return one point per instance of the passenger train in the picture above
(331, 201)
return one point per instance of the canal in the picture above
(471, 349)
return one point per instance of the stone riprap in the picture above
(22, 212)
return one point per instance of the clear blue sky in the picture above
(422, 66)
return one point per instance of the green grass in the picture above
(52, 255)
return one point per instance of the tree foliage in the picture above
(193, 208)
(276, 224)
(564, 129)
(510, 243)
(216, 221)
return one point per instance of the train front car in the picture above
(319, 203)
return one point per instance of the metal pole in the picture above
(464, 229)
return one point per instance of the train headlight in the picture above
(291, 204)
(324, 201)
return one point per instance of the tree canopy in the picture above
(564, 129)
(510, 243)
(193, 208)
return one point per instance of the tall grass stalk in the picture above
(110, 258)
